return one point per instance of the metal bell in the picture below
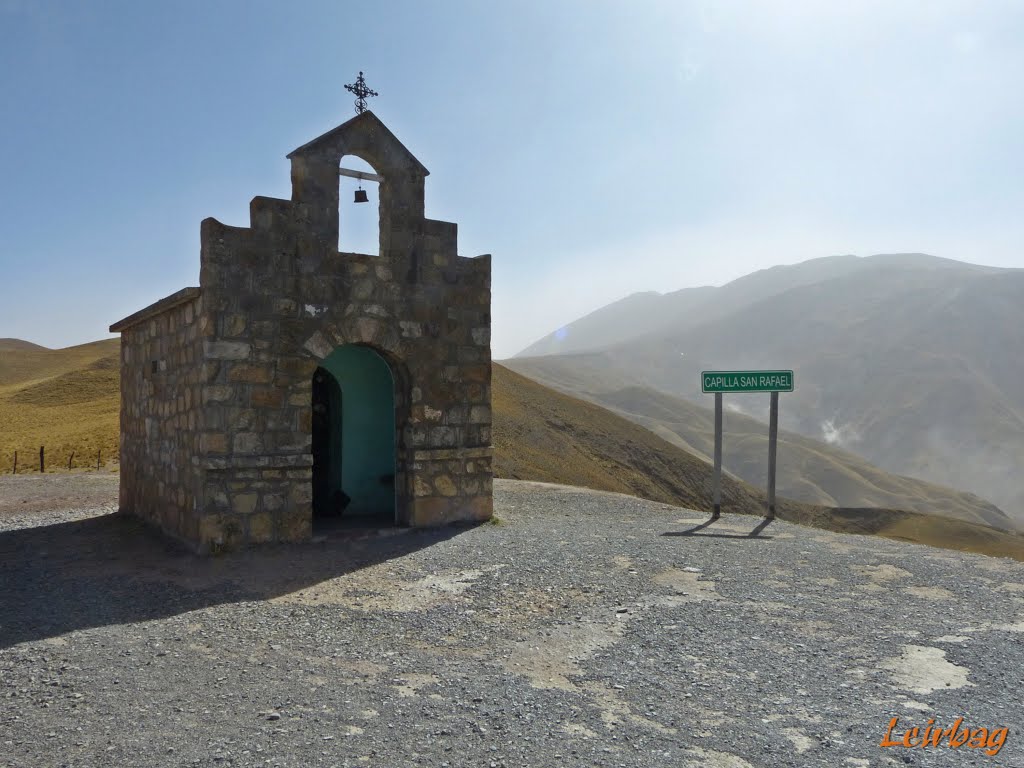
(361, 196)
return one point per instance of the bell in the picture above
(361, 196)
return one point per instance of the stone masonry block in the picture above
(445, 485)
(216, 393)
(319, 345)
(251, 374)
(267, 397)
(213, 442)
(261, 528)
(246, 442)
(227, 350)
(244, 503)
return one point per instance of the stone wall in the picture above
(256, 500)
(161, 416)
(277, 298)
(278, 310)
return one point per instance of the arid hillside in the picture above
(909, 361)
(544, 435)
(64, 399)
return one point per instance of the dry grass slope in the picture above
(543, 435)
(65, 399)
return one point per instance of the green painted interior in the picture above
(363, 430)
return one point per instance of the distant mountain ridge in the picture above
(648, 312)
(915, 363)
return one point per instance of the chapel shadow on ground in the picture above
(114, 569)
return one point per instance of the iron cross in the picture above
(361, 92)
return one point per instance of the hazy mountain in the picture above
(635, 315)
(648, 312)
(913, 362)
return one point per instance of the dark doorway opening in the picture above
(326, 454)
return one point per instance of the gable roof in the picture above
(355, 131)
(156, 308)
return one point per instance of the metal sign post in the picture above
(773, 436)
(718, 455)
(720, 382)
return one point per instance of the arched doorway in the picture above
(353, 443)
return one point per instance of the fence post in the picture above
(98, 450)
(72, 456)
(15, 471)
(42, 463)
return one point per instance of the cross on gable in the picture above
(361, 91)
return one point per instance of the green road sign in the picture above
(746, 381)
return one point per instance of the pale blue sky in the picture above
(594, 148)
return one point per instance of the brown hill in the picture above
(20, 344)
(543, 435)
(65, 399)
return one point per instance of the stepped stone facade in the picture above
(217, 406)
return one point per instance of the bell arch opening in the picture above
(355, 441)
(359, 214)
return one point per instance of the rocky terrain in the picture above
(581, 628)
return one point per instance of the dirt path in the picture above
(584, 629)
(52, 491)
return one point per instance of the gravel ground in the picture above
(54, 491)
(583, 629)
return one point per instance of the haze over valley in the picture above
(913, 362)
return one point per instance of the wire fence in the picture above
(26, 462)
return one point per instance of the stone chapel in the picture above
(297, 382)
